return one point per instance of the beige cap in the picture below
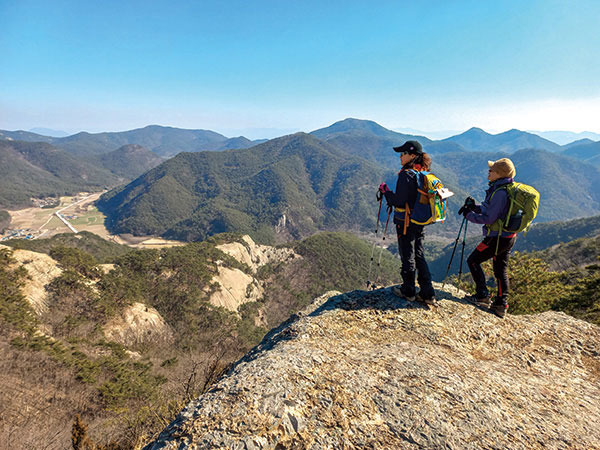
(503, 167)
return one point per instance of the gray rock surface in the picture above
(369, 370)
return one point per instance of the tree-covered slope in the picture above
(35, 169)
(5, 220)
(296, 184)
(130, 161)
(588, 151)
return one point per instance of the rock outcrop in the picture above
(138, 324)
(255, 255)
(369, 370)
(41, 270)
(235, 287)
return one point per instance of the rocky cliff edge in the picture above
(369, 370)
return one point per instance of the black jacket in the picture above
(406, 192)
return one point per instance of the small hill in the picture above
(578, 142)
(287, 187)
(475, 139)
(37, 169)
(566, 137)
(368, 370)
(130, 161)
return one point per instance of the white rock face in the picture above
(255, 255)
(237, 287)
(138, 324)
(42, 270)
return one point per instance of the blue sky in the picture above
(262, 67)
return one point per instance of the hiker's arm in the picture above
(489, 213)
(400, 196)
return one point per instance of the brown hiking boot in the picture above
(499, 308)
(431, 301)
(397, 291)
(483, 302)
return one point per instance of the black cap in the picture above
(411, 147)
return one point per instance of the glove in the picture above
(467, 207)
(383, 188)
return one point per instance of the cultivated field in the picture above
(81, 213)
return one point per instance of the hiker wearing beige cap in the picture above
(496, 243)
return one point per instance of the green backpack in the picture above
(524, 202)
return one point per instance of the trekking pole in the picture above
(378, 270)
(453, 251)
(462, 253)
(379, 197)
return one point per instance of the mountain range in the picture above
(190, 197)
(475, 139)
(326, 180)
(164, 141)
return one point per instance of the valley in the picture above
(78, 211)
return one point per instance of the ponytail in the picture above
(421, 162)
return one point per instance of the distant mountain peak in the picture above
(476, 130)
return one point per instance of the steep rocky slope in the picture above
(368, 370)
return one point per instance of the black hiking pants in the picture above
(484, 251)
(410, 247)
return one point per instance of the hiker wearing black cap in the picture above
(497, 243)
(410, 235)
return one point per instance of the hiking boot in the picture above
(431, 301)
(483, 302)
(499, 308)
(397, 291)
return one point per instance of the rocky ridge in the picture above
(369, 370)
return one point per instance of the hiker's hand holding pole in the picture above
(383, 188)
(467, 207)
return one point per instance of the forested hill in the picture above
(37, 169)
(290, 187)
(129, 161)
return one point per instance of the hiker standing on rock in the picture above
(410, 235)
(496, 243)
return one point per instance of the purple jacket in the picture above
(493, 208)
